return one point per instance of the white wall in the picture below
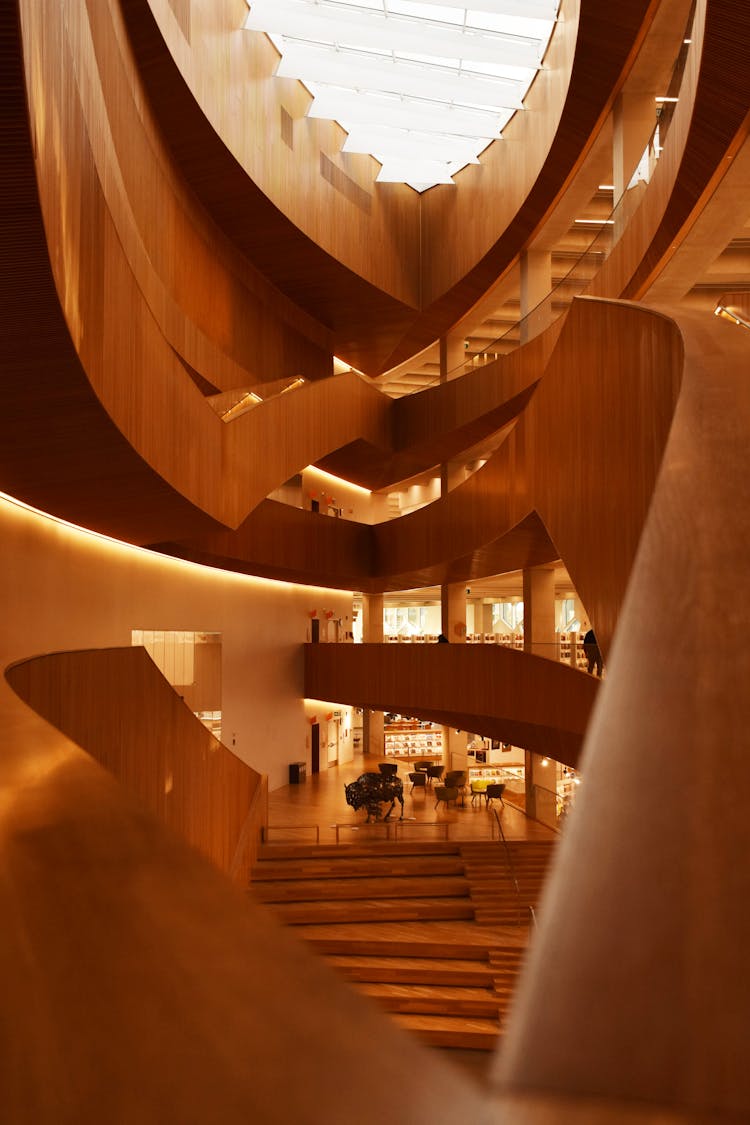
(68, 589)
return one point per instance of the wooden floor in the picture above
(296, 811)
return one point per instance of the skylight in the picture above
(423, 87)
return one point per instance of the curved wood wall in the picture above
(134, 980)
(117, 706)
(527, 700)
(138, 985)
(572, 480)
(506, 199)
(643, 1005)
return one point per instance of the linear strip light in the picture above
(359, 69)
(337, 480)
(367, 28)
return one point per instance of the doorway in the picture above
(315, 748)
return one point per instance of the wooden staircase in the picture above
(496, 900)
(400, 922)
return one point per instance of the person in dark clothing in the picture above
(442, 639)
(593, 654)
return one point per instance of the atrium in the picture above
(330, 325)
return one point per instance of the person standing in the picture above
(593, 653)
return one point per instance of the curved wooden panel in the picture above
(138, 985)
(61, 450)
(610, 390)
(116, 705)
(664, 945)
(709, 126)
(528, 700)
(465, 247)
(437, 424)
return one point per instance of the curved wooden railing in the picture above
(528, 700)
(117, 706)
(141, 986)
(648, 861)
(608, 390)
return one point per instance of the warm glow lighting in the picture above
(247, 400)
(165, 561)
(298, 382)
(727, 314)
(595, 222)
(606, 187)
(664, 98)
(337, 480)
(545, 761)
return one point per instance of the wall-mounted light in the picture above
(727, 314)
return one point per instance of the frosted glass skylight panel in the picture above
(535, 9)
(414, 172)
(403, 144)
(432, 67)
(365, 107)
(311, 63)
(345, 24)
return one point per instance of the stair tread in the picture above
(354, 866)
(377, 848)
(378, 887)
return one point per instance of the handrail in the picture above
(266, 832)
(509, 862)
(387, 824)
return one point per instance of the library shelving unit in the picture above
(412, 739)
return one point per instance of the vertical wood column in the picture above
(451, 367)
(633, 120)
(373, 736)
(536, 301)
(453, 624)
(539, 639)
(452, 353)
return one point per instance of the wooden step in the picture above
(369, 947)
(467, 1003)
(414, 970)
(368, 910)
(348, 867)
(378, 848)
(445, 1031)
(315, 890)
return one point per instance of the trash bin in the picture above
(297, 773)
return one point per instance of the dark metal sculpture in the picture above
(371, 790)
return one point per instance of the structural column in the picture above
(373, 736)
(452, 355)
(539, 638)
(452, 348)
(536, 299)
(453, 625)
(633, 121)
